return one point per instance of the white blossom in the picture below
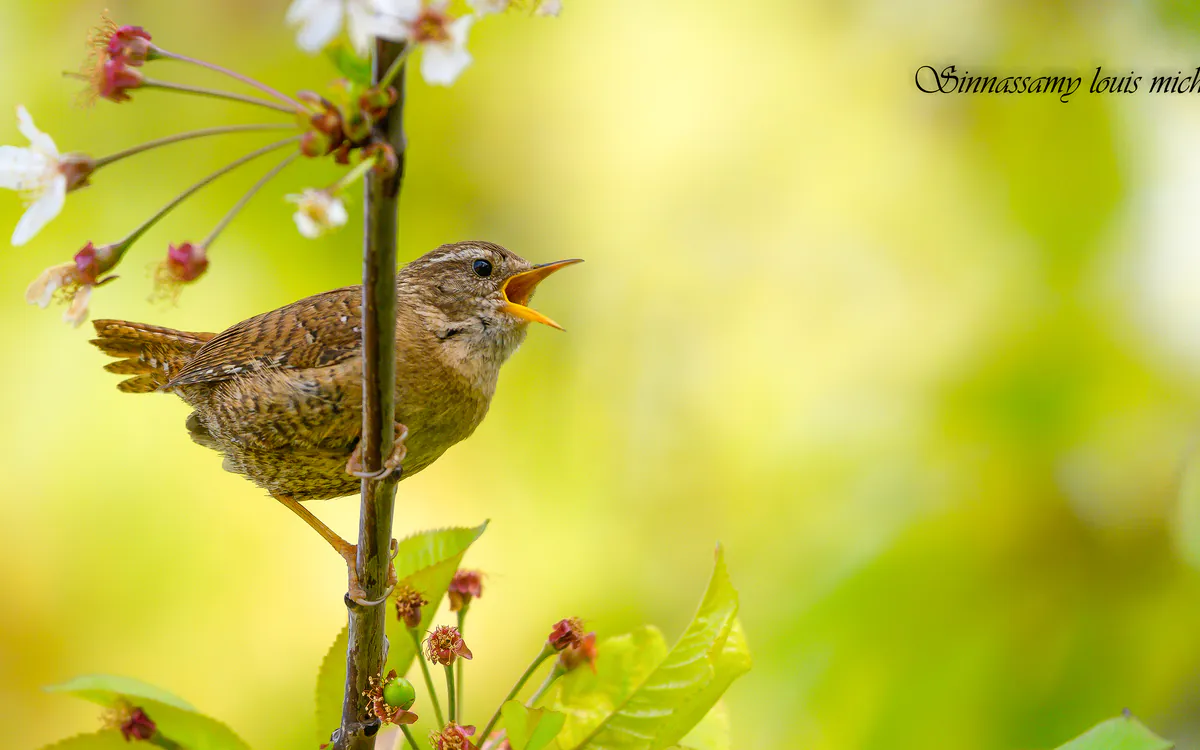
(319, 21)
(549, 8)
(63, 280)
(318, 212)
(484, 7)
(427, 24)
(35, 173)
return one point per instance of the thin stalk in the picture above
(232, 74)
(352, 176)
(555, 673)
(547, 652)
(237, 207)
(458, 664)
(126, 243)
(412, 741)
(367, 642)
(182, 88)
(186, 136)
(453, 712)
(433, 698)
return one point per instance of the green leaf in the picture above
(426, 562)
(622, 663)
(105, 740)
(712, 733)
(530, 728)
(687, 683)
(1121, 733)
(105, 689)
(175, 718)
(356, 69)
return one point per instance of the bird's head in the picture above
(478, 293)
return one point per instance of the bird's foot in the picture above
(354, 467)
(354, 589)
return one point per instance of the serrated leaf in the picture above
(106, 688)
(1121, 733)
(426, 562)
(174, 717)
(622, 663)
(712, 733)
(105, 740)
(687, 682)
(530, 728)
(354, 68)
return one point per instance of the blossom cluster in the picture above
(346, 132)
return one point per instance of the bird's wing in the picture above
(316, 331)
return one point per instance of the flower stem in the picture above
(450, 691)
(412, 741)
(458, 664)
(546, 653)
(555, 673)
(185, 136)
(150, 83)
(237, 76)
(352, 176)
(126, 243)
(237, 207)
(393, 69)
(437, 706)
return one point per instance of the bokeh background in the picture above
(927, 366)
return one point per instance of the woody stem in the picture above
(367, 642)
(160, 52)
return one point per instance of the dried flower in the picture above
(36, 173)
(132, 722)
(387, 713)
(584, 652)
(445, 644)
(453, 737)
(130, 43)
(465, 586)
(72, 283)
(319, 21)
(568, 632)
(184, 264)
(408, 606)
(318, 212)
(113, 78)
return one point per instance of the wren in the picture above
(280, 394)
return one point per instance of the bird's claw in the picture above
(354, 466)
(358, 594)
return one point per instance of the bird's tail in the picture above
(150, 353)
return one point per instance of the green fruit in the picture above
(399, 693)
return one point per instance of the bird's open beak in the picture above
(518, 289)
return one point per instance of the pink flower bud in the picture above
(568, 632)
(465, 586)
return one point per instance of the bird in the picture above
(280, 394)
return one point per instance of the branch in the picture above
(365, 655)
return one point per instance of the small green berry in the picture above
(399, 693)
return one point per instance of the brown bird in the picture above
(280, 394)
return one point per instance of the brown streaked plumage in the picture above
(280, 394)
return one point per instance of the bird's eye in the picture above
(483, 268)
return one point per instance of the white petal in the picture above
(443, 63)
(39, 140)
(299, 10)
(549, 8)
(41, 211)
(321, 24)
(360, 22)
(404, 10)
(483, 7)
(306, 225)
(337, 215)
(78, 311)
(41, 291)
(20, 168)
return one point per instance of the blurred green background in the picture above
(928, 366)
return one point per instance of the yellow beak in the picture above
(519, 288)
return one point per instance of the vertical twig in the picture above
(365, 654)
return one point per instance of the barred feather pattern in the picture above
(151, 354)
